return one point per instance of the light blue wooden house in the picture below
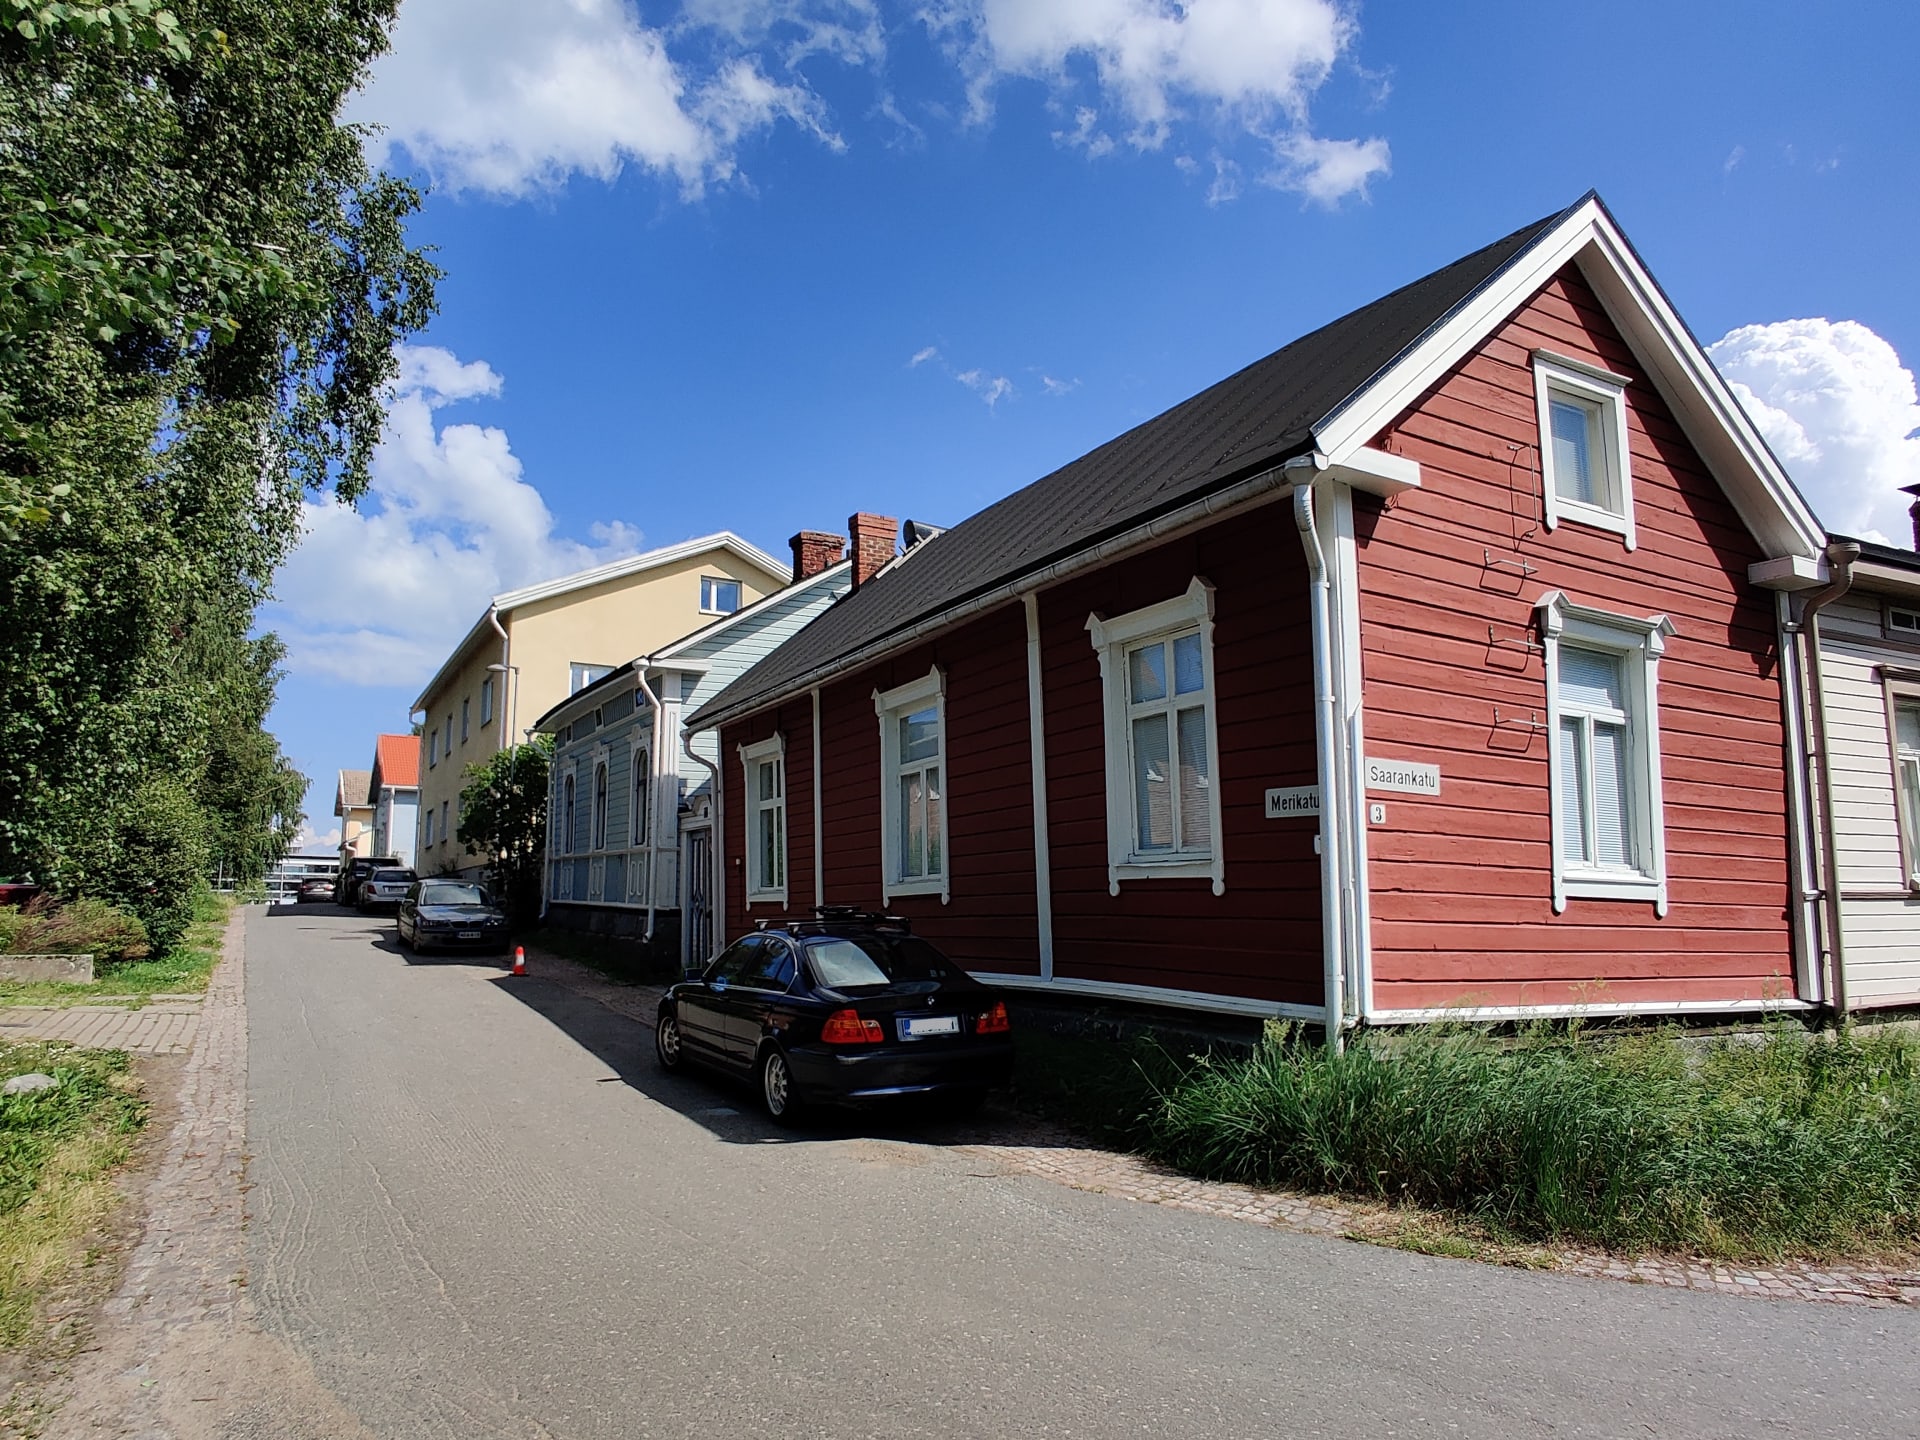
(630, 828)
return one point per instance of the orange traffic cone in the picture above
(519, 960)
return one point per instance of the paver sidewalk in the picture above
(167, 1026)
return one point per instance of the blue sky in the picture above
(693, 252)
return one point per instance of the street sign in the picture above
(1407, 776)
(1296, 802)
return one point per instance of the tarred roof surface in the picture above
(396, 761)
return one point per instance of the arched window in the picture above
(600, 806)
(566, 817)
(642, 796)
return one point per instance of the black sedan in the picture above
(839, 1010)
(450, 915)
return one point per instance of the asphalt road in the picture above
(480, 1210)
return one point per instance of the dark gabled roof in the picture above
(1245, 424)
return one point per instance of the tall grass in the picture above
(1785, 1143)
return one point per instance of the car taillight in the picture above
(845, 1027)
(994, 1022)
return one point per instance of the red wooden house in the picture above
(1432, 663)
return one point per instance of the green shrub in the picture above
(148, 857)
(1786, 1143)
(78, 927)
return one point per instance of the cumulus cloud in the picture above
(379, 595)
(1840, 411)
(312, 841)
(1250, 65)
(508, 97)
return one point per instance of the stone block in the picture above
(61, 969)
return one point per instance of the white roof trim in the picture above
(1701, 401)
(599, 575)
(839, 569)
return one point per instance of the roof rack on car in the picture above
(854, 915)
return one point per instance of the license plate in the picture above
(919, 1027)
(469, 934)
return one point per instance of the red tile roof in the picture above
(396, 761)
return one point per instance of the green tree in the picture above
(503, 815)
(202, 284)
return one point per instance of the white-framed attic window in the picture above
(1603, 751)
(1163, 802)
(765, 766)
(913, 788)
(1583, 444)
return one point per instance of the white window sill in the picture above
(935, 886)
(1574, 513)
(1186, 867)
(1612, 885)
(766, 897)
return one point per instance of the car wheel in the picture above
(778, 1097)
(666, 1041)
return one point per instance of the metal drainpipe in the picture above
(1326, 735)
(1840, 557)
(506, 673)
(718, 886)
(653, 749)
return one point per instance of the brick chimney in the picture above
(872, 544)
(814, 551)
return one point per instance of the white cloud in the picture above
(513, 96)
(1253, 65)
(312, 840)
(1840, 411)
(1054, 386)
(1327, 171)
(379, 595)
(922, 355)
(990, 388)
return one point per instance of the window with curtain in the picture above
(913, 787)
(1906, 749)
(765, 774)
(1596, 738)
(1168, 763)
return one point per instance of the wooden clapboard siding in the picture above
(794, 722)
(1462, 882)
(1881, 918)
(1261, 938)
(990, 922)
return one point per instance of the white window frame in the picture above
(640, 808)
(1112, 638)
(752, 757)
(711, 583)
(1639, 643)
(1558, 375)
(486, 702)
(890, 706)
(1902, 691)
(568, 791)
(600, 797)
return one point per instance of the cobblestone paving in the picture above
(1035, 1148)
(167, 1026)
(186, 1271)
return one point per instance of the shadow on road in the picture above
(726, 1107)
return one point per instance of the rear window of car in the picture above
(445, 894)
(393, 877)
(842, 962)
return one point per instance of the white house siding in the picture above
(1881, 916)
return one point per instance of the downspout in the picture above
(1841, 555)
(819, 819)
(506, 674)
(1326, 743)
(653, 749)
(718, 885)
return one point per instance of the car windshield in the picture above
(849, 962)
(447, 894)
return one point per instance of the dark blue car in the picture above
(845, 1009)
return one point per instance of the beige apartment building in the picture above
(535, 646)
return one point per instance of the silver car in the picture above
(386, 888)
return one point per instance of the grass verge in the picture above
(58, 1151)
(182, 970)
(1745, 1147)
